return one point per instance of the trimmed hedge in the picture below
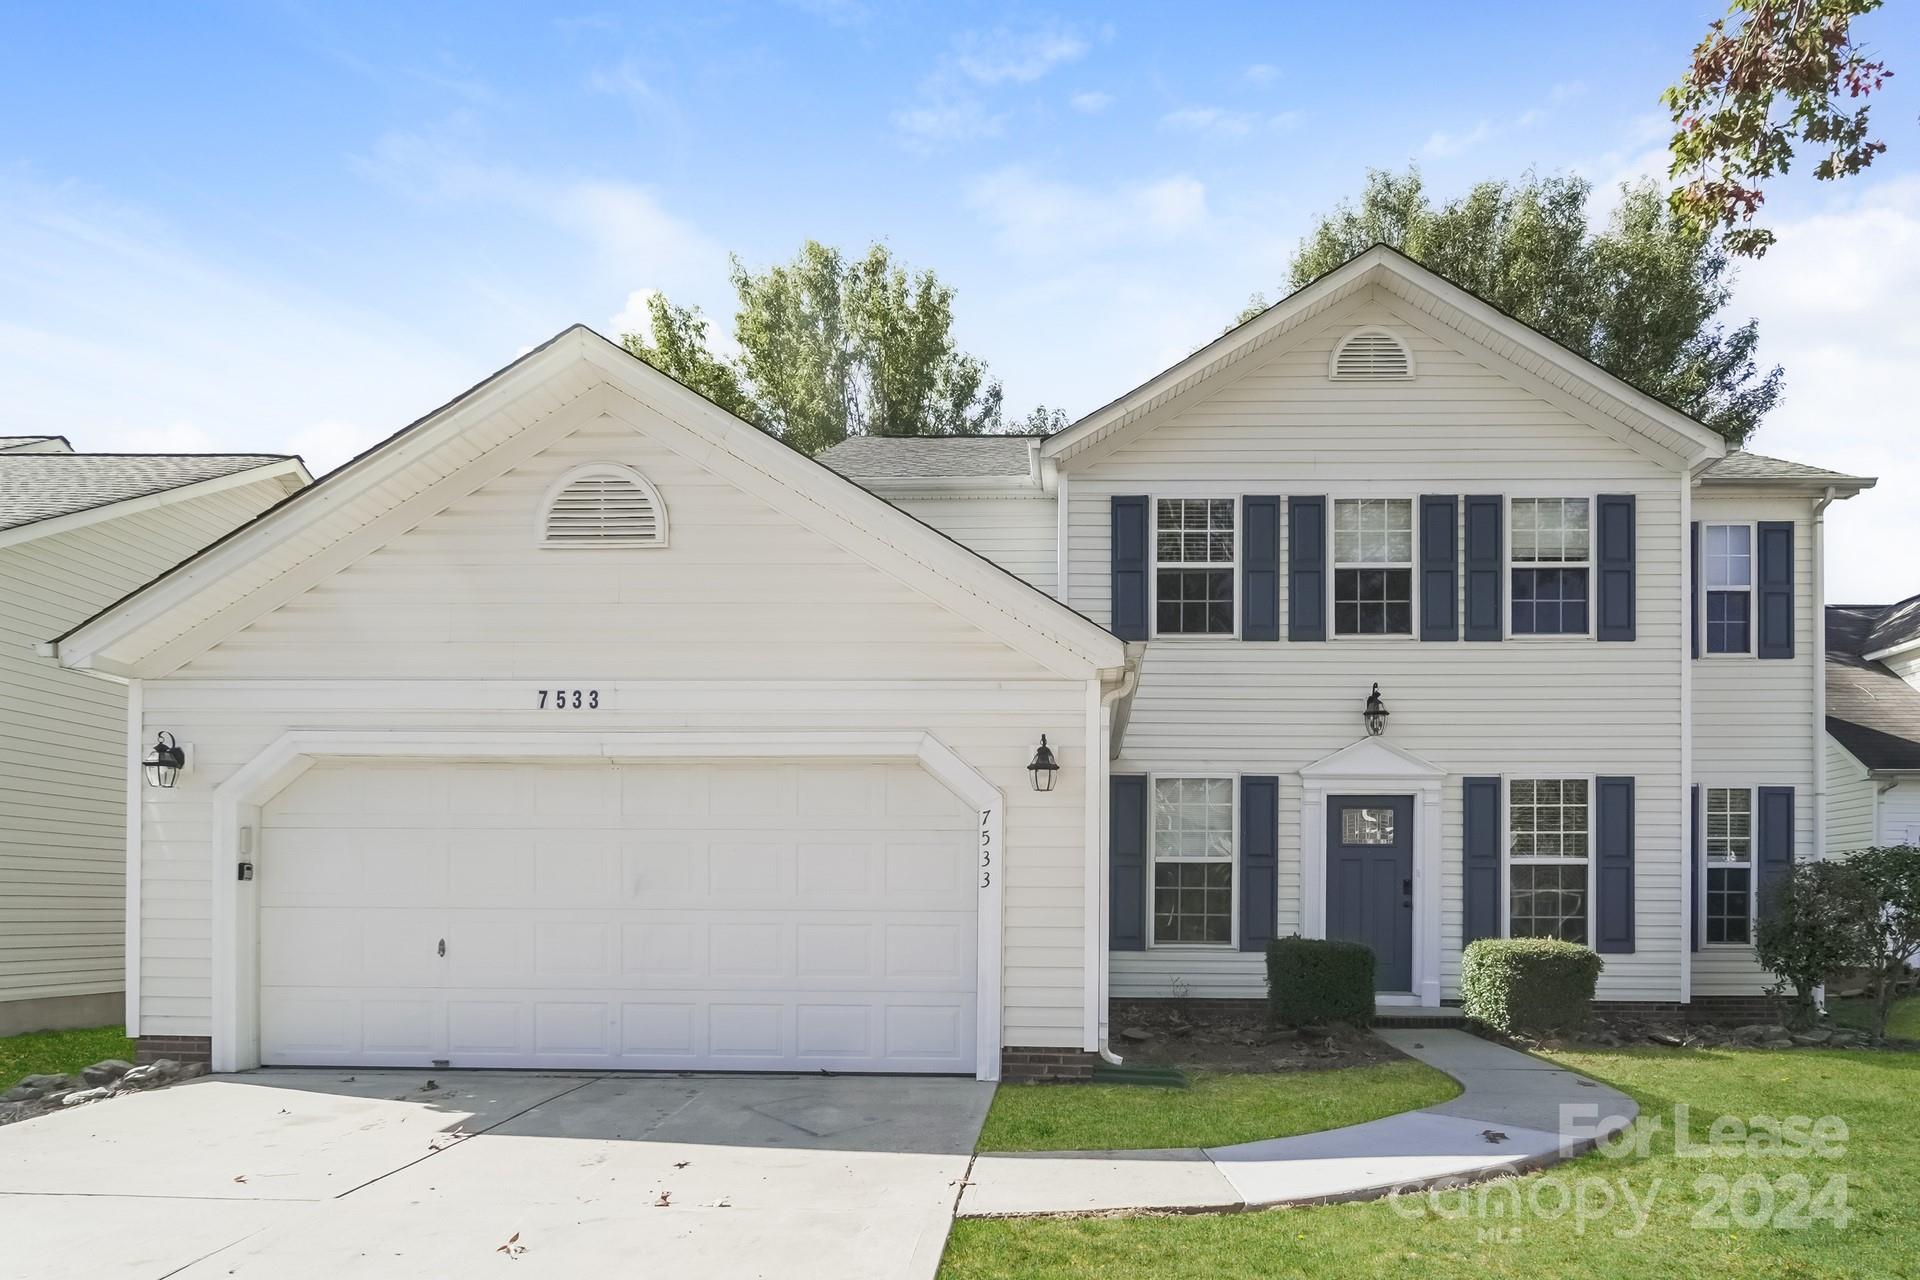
(1313, 980)
(1530, 985)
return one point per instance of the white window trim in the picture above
(1752, 864)
(1508, 860)
(1233, 862)
(1153, 575)
(1753, 596)
(1508, 565)
(1412, 566)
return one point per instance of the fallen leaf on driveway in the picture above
(241, 1178)
(1493, 1135)
(681, 1164)
(512, 1248)
(661, 1203)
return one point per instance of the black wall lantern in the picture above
(1376, 713)
(164, 762)
(1044, 767)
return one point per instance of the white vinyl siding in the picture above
(751, 622)
(1753, 718)
(1900, 813)
(1850, 802)
(63, 742)
(1020, 534)
(1551, 705)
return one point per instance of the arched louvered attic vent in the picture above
(604, 505)
(1370, 355)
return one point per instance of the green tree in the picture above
(1749, 94)
(1640, 297)
(1812, 924)
(676, 345)
(1892, 872)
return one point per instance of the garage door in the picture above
(732, 917)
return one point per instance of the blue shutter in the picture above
(1774, 582)
(1306, 568)
(1776, 839)
(1694, 615)
(1695, 874)
(1127, 862)
(1485, 593)
(1613, 866)
(1129, 553)
(1260, 568)
(1439, 567)
(1259, 860)
(1614, 560)
(1480, 870)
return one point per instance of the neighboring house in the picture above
(77, 531)
(582, 725)
(1873, 725)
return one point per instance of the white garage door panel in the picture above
(644, 916)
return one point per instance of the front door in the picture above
(1370, 881)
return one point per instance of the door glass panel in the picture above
(1366, 826)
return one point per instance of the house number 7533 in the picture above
(569, 699)
(986, 847)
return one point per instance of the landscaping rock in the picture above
(79, 1096)
(1819, 1035)
(45, 1084)
(1136, 1034)
(105, 1072)
(1761, 1031)
(19, 1093)
(194, 1070)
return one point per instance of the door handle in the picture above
(443, 946)
(1406, 888)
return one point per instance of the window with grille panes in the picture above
(1194, 550)
(1373, 566)
(1550, 554)
(1729, 887)
(1549, 850)
(1726, 562)
(1193, 860)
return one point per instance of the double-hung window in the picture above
(1729, 865)
(1193, 838)
(1373, 566)
(1193, 566)
(1727, 563)
(1551, 554)
(1549, 847)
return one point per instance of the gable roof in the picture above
(42, 486)
(1871, 712)
(1897, 628)
(1743, 468)
(249, 571)
(1672, 432)
(934, 457)
(34, 444)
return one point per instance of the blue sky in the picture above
(298, 227)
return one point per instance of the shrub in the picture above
(1532, 985)
(1313, 980)
(1892, 874)
(1814, 922)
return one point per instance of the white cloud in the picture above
(1090, 102)
(1834, 300)
(1566, 91)
(1261, 73)
(949, 118)
(1442, 145)
(1209, 120)
(1032, 214)
(1004, 55)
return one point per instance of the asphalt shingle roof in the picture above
(1740, 465)
(1873, 713)
(929, 457)
(41, 486)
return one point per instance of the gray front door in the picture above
(1370, 881)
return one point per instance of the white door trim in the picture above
(1371, 767)
(236, 821)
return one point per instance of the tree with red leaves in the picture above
(1786, 74)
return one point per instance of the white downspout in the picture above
(1100, 765)
(1818, 743)
(1688, 853)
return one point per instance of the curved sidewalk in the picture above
(1509, 1118)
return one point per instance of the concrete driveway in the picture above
(340, 1174)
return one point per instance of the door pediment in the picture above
(1373, 758)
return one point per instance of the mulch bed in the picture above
(1196, 1037)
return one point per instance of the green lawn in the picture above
(1903, 1020)
(1218, 1109)
(47, 1052)
(1875, 1093)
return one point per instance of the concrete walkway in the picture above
(1514, 1113)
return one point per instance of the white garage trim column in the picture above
(236, 821)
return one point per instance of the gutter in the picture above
(1099, 770)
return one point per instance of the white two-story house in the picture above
(582, 725)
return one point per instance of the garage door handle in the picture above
(443, 946)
